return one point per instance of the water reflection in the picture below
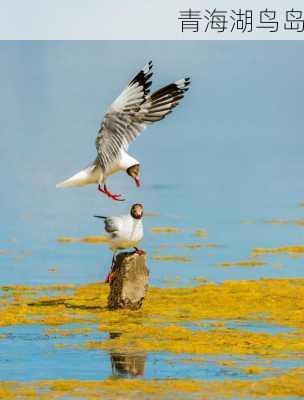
(127, 364)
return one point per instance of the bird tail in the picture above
(81, 178)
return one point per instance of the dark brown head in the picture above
(137, 211)
(134, 172)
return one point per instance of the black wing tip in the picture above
(187, 81)
(147, 68)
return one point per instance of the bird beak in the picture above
(98, 216)
(137, 181)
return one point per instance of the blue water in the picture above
(231, 152)
(30, 353)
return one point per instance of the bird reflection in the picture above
(127, 364)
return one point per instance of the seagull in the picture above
(126, 118)
(125, 231)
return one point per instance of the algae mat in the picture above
(253, 331)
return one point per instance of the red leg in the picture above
(105, 190)
(100, 189)
(110, 277)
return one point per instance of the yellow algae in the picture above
(87, 239)
(166, 230)
(160, 324)
(68, 332)
(200, 233)
(276, 221)
(198, 245)
(299, 222)
(181, 259)
(191, 360)
(293, 249)
(255, 369)
(227, 363)
(192, 246)
(248, 221)
(66, 239)
(94, 239)
(280, 385)
(200, 280)
(245, 263)
(177, 339)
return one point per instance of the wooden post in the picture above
(130, 283)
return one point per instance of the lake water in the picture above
(228, 160)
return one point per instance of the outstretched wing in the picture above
(132, 111)
(110, 138)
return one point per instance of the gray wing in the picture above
(111, 138)
(132, 111)
(111, 225)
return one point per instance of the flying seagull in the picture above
(125, 231)
(126, 118)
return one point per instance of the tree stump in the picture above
(130, 283)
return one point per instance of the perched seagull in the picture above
(125, 232)
(130, 113)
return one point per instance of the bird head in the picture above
(134, 172)
(137, 211)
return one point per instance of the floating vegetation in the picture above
(200, 279)
(94, 239)
(294, 249)
(69, 332)
(256, 370)
(276, 221)
(166, 311)
(87, 239)
(200, 233)
(166, 230)
(192, 246)
(288, 384)
(180, 259)
(245, 263)
(66, 239)
(299, 222)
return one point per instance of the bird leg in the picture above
(139, 251)
(111, 275)
(106, 191)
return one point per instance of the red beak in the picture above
(137, 181)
